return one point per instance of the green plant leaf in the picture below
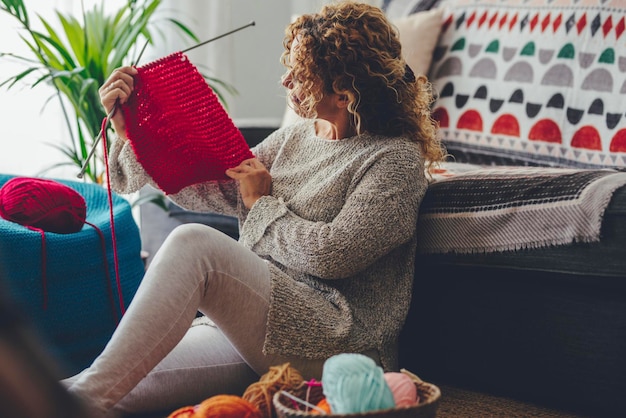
(44, 49)
(75, 37)
(185, 29)
(16, 78)
(17, 9)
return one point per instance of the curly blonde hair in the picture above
(351, 48)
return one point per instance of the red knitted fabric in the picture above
(179, 131)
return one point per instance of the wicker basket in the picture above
(429, 395)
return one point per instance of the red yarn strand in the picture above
(105, 266)
(44, 279)
(112, 216)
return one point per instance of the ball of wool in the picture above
(184, 412)
(354, 383)
(323, 405)
(226, 406)
(403, 389)
(42, 204)
(281, 377)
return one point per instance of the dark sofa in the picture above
(533, 84)
(546, 326)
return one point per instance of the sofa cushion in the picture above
(419, 33)
(586, 261)
(540, 85)
(512, 208)
(399, 8)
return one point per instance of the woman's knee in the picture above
(198, 238)
(191, 232)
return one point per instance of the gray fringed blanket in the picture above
(510, 208)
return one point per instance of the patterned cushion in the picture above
(400, 8)
(82, 307)
(538, 82)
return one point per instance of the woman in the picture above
(327, 213)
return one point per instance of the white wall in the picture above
(249, 59)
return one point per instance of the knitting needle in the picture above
(252, 23)
(112, 112)
(95, 144)
(109, 116)
(303, 402)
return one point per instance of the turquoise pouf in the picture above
(82, 307)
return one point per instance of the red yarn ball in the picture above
(42, 204)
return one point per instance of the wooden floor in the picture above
(459, 403)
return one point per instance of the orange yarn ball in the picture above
(184, 412)
(226, 406)
(323, 405)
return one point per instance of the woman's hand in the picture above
(117, 89)
(254, 180)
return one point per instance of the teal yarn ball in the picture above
(354, 383)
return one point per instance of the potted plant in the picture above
(76, 60)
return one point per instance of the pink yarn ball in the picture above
(403, 389)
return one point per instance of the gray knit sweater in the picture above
(338, 232)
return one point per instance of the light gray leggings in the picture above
(155, 361)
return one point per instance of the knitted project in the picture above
(179, 131)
